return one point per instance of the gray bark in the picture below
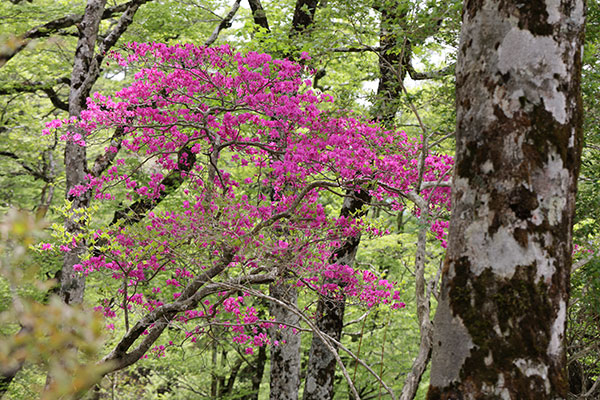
(72, 284)
(224, 24)
(285, 357)
(500, 324)
(86, 70)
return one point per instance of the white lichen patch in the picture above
(535, 62)
(531, 368)
(489, 359)
(498, 390)
(557, 332)
(572, 138)
(577, 16)
(551, 185)
(487, 167)
(452, 346)
(545, 269)
(508, 103)
(553, 10)
(503, 254)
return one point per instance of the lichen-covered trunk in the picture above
(320, 372)
(393, 60)
(285, 354)
(500, 322)
(72, 284)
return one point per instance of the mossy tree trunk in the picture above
(500, 322)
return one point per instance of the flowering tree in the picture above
(226, 161)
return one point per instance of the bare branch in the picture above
(32, 171)
(136, 211)
(435, 184)
(124, 21)
(103, 161)
(361, 49)
(582, 262)
(440, 73)
(55, 26)
(224, 24)
(46, 87)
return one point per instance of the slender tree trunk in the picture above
(413, 378)
(259, 371)
(330, 312)
(500, 323)
(285, 356)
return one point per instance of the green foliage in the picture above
(41, 329)
(189, 369)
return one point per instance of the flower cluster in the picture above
(227, 160)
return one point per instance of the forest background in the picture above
(391, 61)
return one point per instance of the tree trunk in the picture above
(304, 15)
(285, 356)
(86, 70)
(500, 323)
(330, 313)
(393, 60)
(320, 372)
(258, 373)
(72, 284)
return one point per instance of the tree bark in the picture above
(304, 15)
(72, 284)
(259, 15)
(285, 356)
(258, 373)
(500, 323)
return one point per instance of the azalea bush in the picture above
(225, 169)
